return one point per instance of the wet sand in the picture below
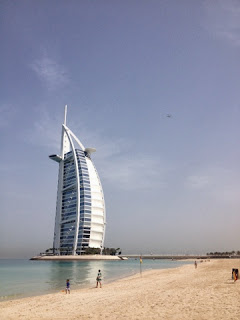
(207, 292)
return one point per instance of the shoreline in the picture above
(124, 277)
(184, 292)
(74, 287)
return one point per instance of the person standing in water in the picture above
(99, 279)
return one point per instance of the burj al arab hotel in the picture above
(80, 210)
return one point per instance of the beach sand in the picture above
(207, 292)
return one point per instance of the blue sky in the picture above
(171, 184)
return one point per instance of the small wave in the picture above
(10, 296)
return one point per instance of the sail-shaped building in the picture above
(80, 210)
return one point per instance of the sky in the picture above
(154, 86)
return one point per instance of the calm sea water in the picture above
(20, 278)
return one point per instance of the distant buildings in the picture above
(80, 209)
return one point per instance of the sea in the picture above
(23, 278)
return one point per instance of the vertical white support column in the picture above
(56, 241)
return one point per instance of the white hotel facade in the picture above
(80, 210)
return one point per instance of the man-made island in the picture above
(78, 257)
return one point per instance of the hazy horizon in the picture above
(154, 87)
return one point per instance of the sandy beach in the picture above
(207, 292)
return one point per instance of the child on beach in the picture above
(67, 286)
(99, 279)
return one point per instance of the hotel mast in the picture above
(80, 210)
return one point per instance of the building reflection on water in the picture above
(81, 274)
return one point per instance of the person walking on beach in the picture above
(235, 276)
(67, 286)
(99, 279)
(195, 263)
